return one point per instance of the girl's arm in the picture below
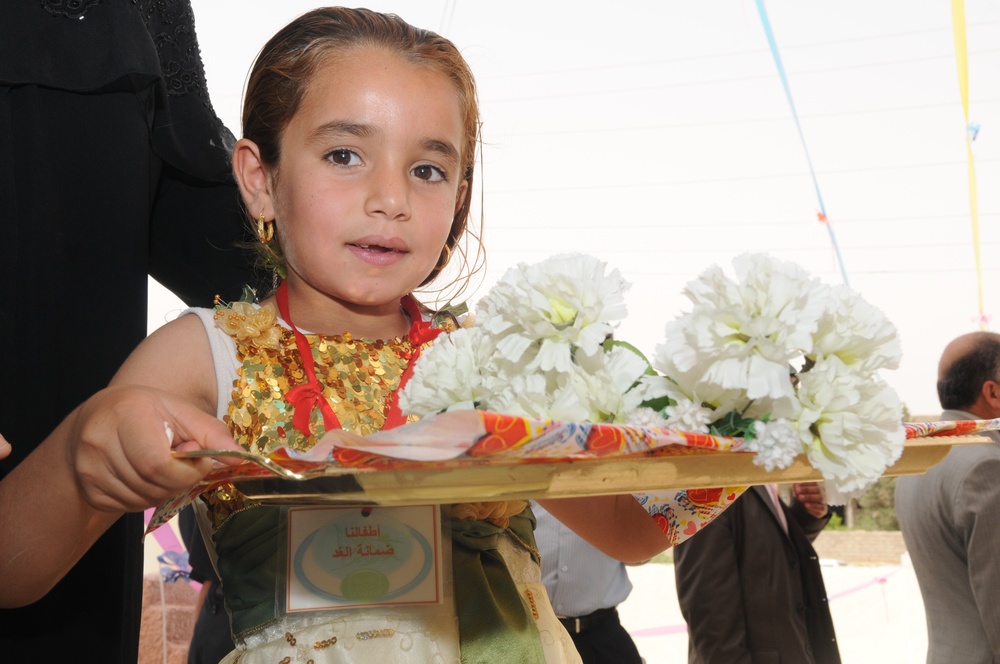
(109, 456)
(616, 525)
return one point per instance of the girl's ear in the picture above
(252, 177)
(463, 191)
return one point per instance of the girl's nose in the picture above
(388, 194)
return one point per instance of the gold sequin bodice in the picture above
(357, 376)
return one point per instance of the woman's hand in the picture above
(4, 447)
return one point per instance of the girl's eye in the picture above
(429, 173)
(344, 157)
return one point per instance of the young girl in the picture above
(356, 165)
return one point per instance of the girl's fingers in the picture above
(123, 448)
(192, 429)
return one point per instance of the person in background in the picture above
(750, 586)
(113, 166)
(211, 640)
(585, 587)
(950, 515)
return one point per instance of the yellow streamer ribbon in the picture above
(962, 60)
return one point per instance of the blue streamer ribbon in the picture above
(823, 217)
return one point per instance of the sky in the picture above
(658, 137)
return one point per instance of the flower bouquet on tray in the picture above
(774, 357)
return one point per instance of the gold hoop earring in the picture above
(265, 229)
(445, 258)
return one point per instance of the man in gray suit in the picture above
(950, 516)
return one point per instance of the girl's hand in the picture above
(4, 447)
(121, 443)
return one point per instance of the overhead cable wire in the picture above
(742, 121)
(595, 186)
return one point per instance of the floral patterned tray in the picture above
(474, 456)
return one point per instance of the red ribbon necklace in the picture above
(304, 398)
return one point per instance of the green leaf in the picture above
(249, 294)
(611, 342)
(457, 310)
(659, 405)
(732, 424)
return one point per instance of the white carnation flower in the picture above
(851, 426)
(686, 415)
(611, 385)
(521, 395)
(595, 391)
(565, 301)
(856, 332)
(571, 401)
(628, 386)
(776, 444)
(745, 335)
(691, 385)
(645, 417)
(449, 374)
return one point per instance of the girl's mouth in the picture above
(374, 247)
(378, 253)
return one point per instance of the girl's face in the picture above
(369, 180)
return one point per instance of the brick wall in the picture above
(167, 611)
(861, 546)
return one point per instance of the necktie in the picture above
(772, 489)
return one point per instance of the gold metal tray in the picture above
(500, 480)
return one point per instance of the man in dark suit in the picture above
(750, 586)
(950, 516)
